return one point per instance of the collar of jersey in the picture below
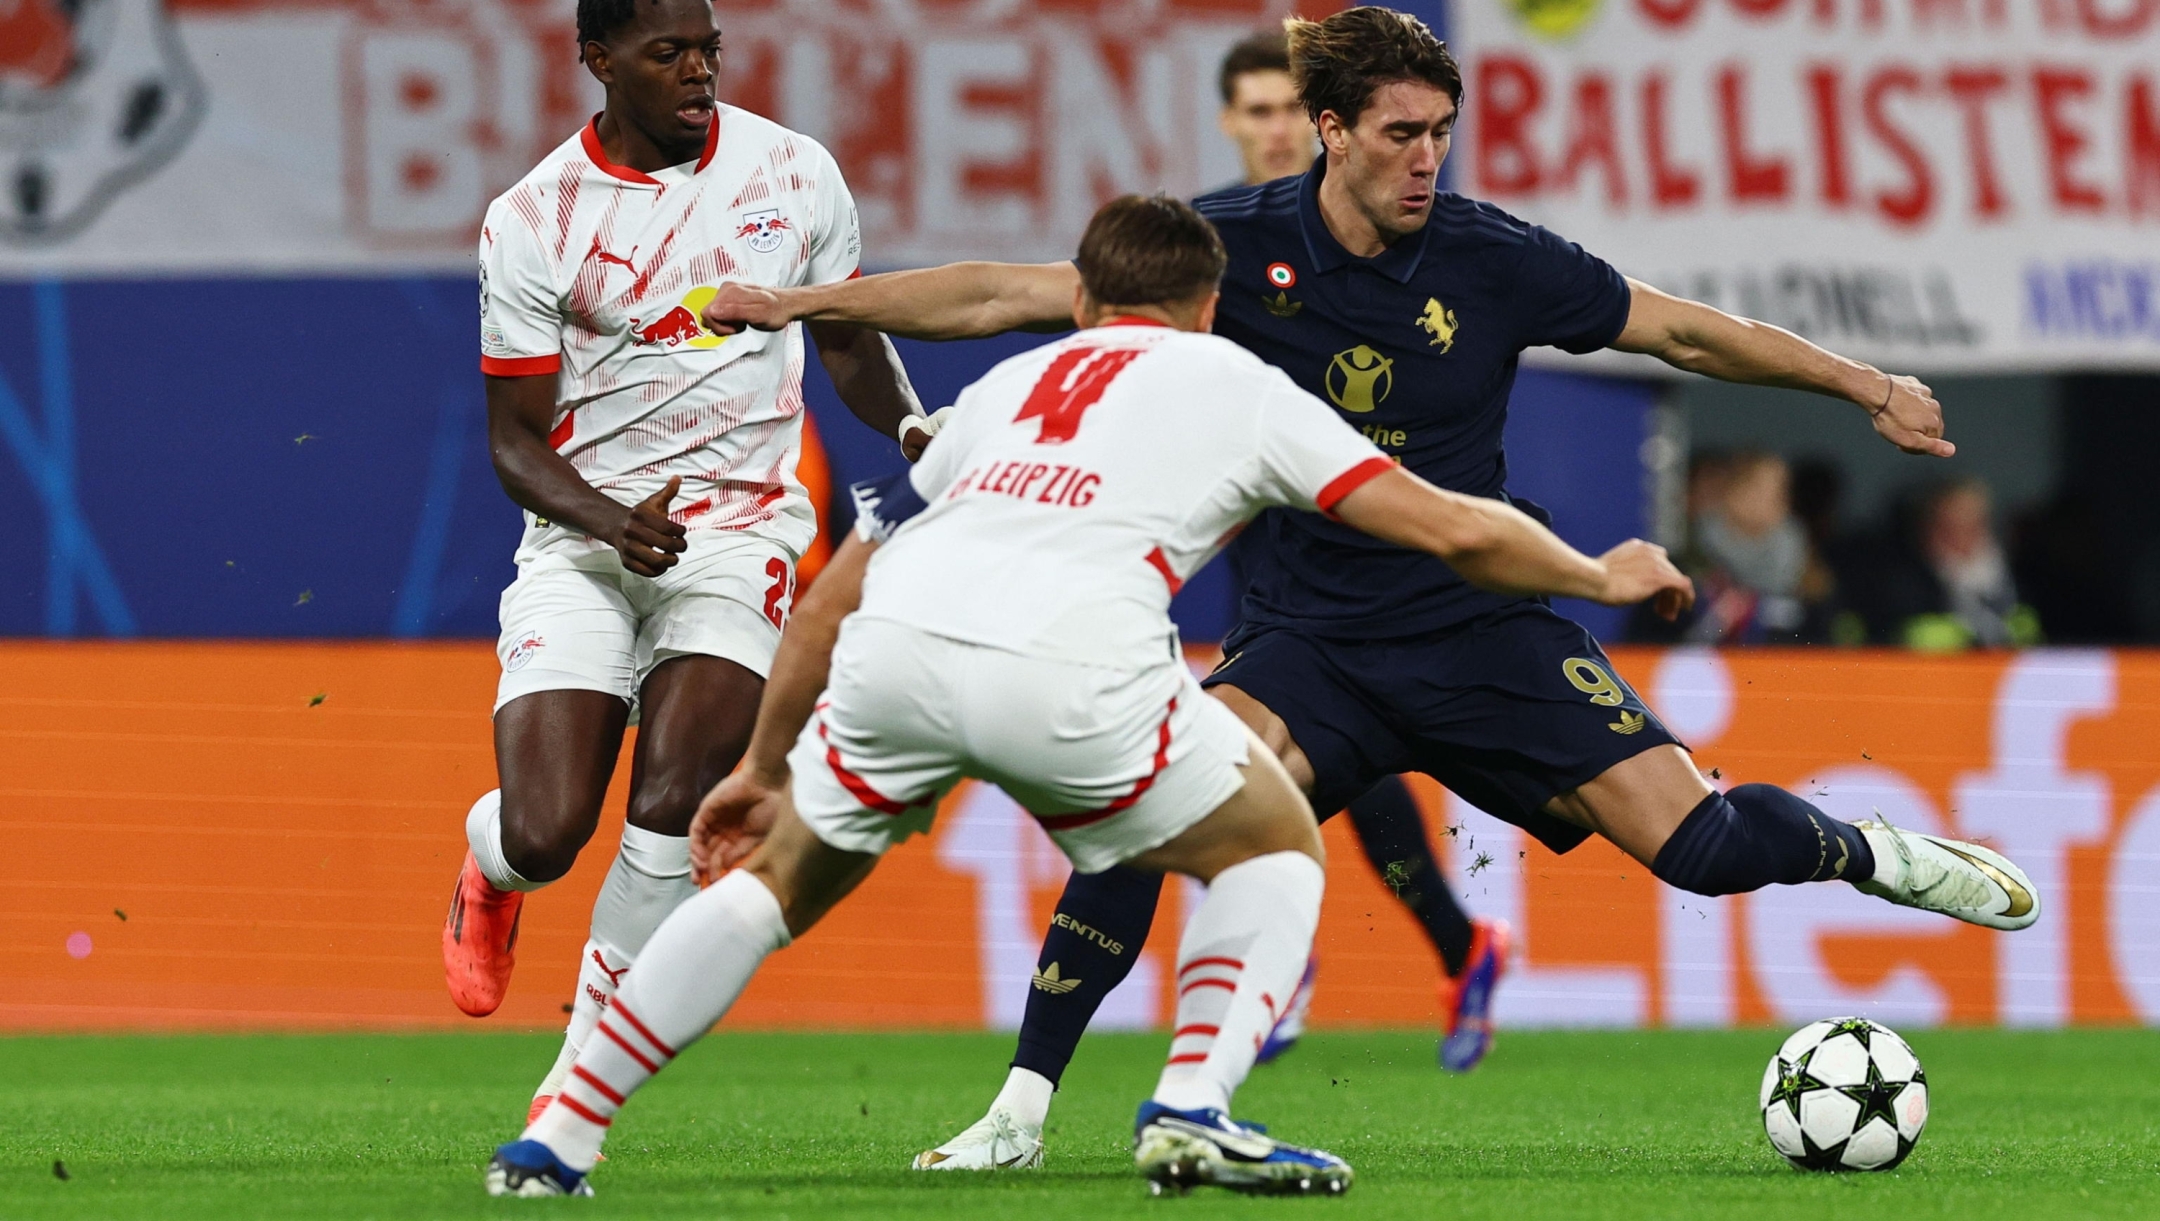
(1132, 320)
(594, 153)
(1398, 262)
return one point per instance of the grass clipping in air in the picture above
(1620, 1125)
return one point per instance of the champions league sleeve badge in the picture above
(95, 95)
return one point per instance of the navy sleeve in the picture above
(884, 505)
(1571, 299)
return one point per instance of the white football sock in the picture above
(483, 832)
(1238, 968)
(696, 964)
(649, 879)
(598, 972)
(1026, 1097)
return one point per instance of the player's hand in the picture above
(648, 541)
(1636, 570)
(731, 822)
(1908, 417)
(916, 432)
(738, 307)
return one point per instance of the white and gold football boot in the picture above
(997, 1141)
(1964, 880)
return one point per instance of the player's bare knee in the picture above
(542, 845)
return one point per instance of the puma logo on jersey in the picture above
(616, 259)
(1438, 321)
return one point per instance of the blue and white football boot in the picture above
(1466, 1000)
(1179, 1150)
(529, 1168)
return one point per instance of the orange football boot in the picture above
(479, 940)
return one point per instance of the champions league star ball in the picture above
(1844, 1094)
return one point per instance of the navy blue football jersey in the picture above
(1417, 349)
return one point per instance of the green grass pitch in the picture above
(1617, 1125)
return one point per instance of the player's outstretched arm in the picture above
(1497, 546)
(956, 301)
(1693, 336)
(734, 818)
(520, 412)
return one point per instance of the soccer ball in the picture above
(1844, 1094)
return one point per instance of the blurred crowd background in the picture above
(1802, 529)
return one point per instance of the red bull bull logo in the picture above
(679, 326)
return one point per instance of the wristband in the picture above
(927, 425)
(1889, 392)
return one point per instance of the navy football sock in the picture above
(1392, 833)
(1758, 834)
(1101, 922)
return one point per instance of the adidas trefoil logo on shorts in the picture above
(1629, 722)
(1050, 981)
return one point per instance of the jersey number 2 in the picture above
(1072, 384)
(776, 598)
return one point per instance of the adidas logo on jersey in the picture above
(1050, 981)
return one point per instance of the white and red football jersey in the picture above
(596, 273)
(1078, 485)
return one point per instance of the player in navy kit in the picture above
(1409, 308)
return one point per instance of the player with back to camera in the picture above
(1006, 610)
(1409, 308)
(656, 465)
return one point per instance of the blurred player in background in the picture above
(1260, 109)
(657, 465)
(1015, 628)
(1409, 308)
(1275, 138)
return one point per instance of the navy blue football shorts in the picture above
(1508, 710)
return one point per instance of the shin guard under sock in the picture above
(1758, 834)
(697, 963)
(1101, 922)
(1238, 967)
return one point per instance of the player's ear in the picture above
(1205, 320)
(595, 57)
(1084, 308)
(1334, 133)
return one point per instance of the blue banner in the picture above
(262, 458)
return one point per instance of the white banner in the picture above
(288, 136)
(1947, 185)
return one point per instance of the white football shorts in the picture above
(1111, 762)
(586, 623)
